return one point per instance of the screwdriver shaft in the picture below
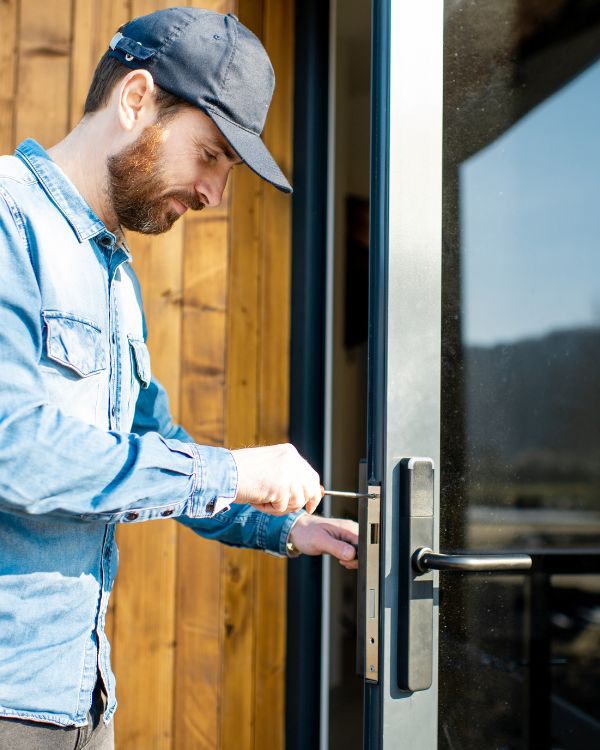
(352, 495)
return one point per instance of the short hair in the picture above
(108, 73)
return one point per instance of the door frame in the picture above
(404, 329)
(404, 325)
(307, 357)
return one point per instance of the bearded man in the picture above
(179, 99)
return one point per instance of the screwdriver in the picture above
(351, 495)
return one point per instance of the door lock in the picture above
(367, 642)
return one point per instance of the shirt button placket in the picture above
(114, 348)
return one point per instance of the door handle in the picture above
(424, 559)
(417, 561)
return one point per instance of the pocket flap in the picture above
(141, 357)
(74, 342)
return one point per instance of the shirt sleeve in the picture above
(234, 525)
(53, 463)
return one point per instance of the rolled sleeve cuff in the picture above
(216, 481)
(274, 532)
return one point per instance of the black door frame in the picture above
(307, 376)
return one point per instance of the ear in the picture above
(135, 99)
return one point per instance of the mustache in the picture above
(191, 200)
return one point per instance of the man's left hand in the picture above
(316, 535)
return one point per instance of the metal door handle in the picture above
(425, 559)
(417, 561)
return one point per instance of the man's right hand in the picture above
(276, 479)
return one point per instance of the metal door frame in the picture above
(404, 323)
(307, 351)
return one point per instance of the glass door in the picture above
(520, 405)
(484, 390)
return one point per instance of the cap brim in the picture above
(252, 151)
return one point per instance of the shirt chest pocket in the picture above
(139, 365)
(140, 361)
(75, 343)
(74, 366)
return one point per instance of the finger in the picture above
(280, 504)
(314, 491)
(337, 548)
(352, 565)
(297, 498)
(347, 535)
(313, 504)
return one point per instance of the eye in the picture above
(210, 156)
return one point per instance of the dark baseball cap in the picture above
(214, 62)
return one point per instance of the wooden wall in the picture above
(198, 629)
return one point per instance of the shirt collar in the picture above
(61, 190)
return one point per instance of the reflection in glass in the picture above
(521, 371)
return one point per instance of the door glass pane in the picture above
(519, 655)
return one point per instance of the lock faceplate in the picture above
(369, 516)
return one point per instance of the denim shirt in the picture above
(86, 442)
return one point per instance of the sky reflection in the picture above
(530, 222)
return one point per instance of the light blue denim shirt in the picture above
(86, 442)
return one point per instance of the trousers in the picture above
(17, 734)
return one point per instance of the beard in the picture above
(137, 188)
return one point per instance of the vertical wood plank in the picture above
(8, 70)
(243, 310)
(199, 644)
(274, 377)
(238, 683)
(94, 24)
(269, 647)
(204, 321)
(275, 290)
(43, 72)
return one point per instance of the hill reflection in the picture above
(532, 416)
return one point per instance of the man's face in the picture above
(178, 163)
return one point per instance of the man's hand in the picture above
(276, 479)
(315, 535)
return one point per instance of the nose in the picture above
(211, 187)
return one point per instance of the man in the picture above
(86, 439)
